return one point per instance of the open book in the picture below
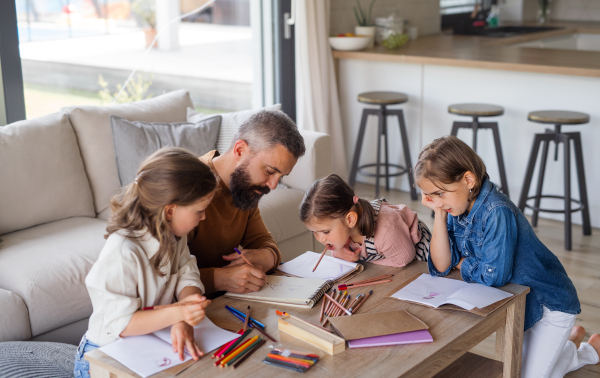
(289, 291)
(150, 354)
(437, 291)
(330, 268)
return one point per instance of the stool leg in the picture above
(500, 157)
(538, 192)
(475, 129)
(529, 173)
(409, 167)
(359, 141)
(379, 135)
(455, 127)
(585, 212)
(567, 146)
(385, 141)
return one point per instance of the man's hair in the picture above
(268, 128)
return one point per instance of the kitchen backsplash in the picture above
(575, 10)
(424, 14)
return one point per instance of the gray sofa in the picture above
(57, 175)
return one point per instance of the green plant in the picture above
(136, 90)
(395, 40)
(145, 10)
(361, 18)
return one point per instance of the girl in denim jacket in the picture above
(479, 231)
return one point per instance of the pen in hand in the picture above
(244, 257)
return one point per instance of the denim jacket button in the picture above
(490, 269)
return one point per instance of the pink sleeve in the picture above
(396, 234)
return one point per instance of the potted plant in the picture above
(145, 10)
(544, 11)
(365, 22)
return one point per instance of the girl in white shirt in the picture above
(146, 262)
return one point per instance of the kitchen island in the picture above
(439, 70)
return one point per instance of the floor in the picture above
(582, 264)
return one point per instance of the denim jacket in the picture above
(499, 246)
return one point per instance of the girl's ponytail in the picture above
(366, 218)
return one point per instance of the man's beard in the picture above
(243, 192)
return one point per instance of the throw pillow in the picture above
(231, 122)
(134, 141)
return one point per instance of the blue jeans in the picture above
(82, 367)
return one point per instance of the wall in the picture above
(2, 103)
(575, 10)
(424, 14)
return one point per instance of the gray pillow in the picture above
(134, 141)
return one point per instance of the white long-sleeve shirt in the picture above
(123, 281)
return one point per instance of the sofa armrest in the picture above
(14, 318)
(315, 163)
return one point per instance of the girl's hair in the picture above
(332, 198)
(446, 160)
(170, 176)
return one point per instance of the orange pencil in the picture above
(320, 258)
(369, 280)
(244, 257)
(344, 287)
(236, 351)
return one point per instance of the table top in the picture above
(454, 332)
(493, 53)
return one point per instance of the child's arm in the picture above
(442, 254)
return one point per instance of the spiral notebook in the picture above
(330, 268)
(289, 291)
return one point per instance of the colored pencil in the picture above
(244, 257)
(283, 313)
(312, 357)
(244, 351)
(252, 320)
(237, 351)
(345, 287)
(304, 363)
(337, 299)
(226, 345)
(369, 280)
(343, 303)
(320, 258)
(363, 301)
(322, 309)
(247, 318)
(246, 355)
(170, 305)
(358, 298)
(284, 365)
(329, 303)
(264, 333)
(338, 305)
(237, 342)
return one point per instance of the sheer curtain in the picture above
(317, 103)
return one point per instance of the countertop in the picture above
(492, 53)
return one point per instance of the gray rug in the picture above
(28, 359)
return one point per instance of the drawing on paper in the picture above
(164, 362)
(432, 294)
(286, 286)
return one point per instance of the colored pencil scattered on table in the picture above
(379, 278)
(358, 298)
(225, 346)
(246, 355)
(345, 287)
(363, 301)
(235, 352)
(242, 352)
(247, 318)
(320, 258)
(283, 313)
(328, 303)
(242, 316)
(243, 257)
(335, 303)
(237, 342)
(323, 309)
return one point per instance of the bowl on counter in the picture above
(355, 43)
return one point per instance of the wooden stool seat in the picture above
(561, 117)
(383, 98)
(476, 110)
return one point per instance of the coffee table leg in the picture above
(509, 339)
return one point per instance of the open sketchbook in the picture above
(437, 291)
(150, 354)
(330, 268)
(289, 291)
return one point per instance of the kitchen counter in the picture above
(493, 53)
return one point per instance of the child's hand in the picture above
(347, 254)
(182, 335)
(427, 201)
(193, 313)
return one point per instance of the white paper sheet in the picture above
(150, 354)
(330, 268)
(285, 289)
(480, 295)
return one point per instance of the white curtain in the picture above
(317, 103)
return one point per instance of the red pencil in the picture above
(369, 280)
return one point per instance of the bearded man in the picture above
(265, 148)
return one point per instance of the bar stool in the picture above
(558, 118)
(476, 111)
(383, 99)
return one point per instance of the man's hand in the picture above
(182, 335)
(258, 257)
(240, 278)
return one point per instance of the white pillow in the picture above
(229, 125)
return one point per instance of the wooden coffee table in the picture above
(454, 334)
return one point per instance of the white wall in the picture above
(432, 88)
(575, 10)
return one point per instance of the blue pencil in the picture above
(238, 312)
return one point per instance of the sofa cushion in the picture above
(14, 320)
(279, 210)
(92, 126)
(134, 141)
(43, 178)
(231, 122)
(46, 266)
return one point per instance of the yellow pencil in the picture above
(238, 350)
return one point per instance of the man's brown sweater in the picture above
(224, 228)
